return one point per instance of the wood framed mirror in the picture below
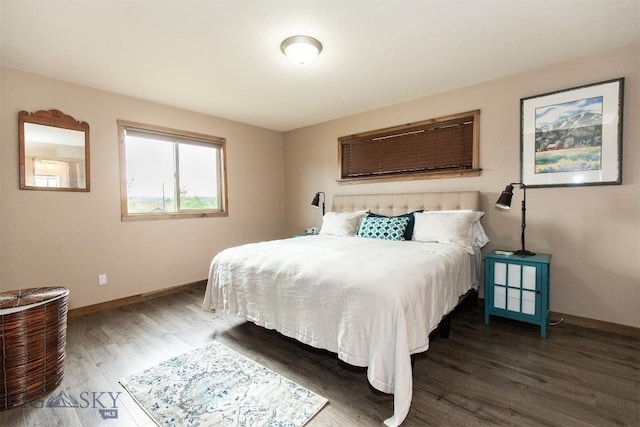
(54, 152)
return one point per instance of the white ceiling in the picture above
(222, 57)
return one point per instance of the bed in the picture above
(360, 288)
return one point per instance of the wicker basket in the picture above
(33, 323)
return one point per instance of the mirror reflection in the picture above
(54, 152)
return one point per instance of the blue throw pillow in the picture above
(408, 233)
(383, 228)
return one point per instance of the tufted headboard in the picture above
(395, 204)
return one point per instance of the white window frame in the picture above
(180, 136)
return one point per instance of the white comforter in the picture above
(373, 302)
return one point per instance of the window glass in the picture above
(199, 187)
(150, 175)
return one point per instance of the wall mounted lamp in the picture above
(301, 50)
(316, 201)
(504, 202)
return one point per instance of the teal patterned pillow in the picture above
(383, 228)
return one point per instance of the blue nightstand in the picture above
(517, 287)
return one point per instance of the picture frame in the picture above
(572, 137)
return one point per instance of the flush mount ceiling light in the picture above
(301, 50)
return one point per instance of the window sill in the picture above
(164, 215)
(412, 177)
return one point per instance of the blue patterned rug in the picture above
(216, 386)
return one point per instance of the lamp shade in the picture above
(504, 201)
(316, 200)
(301, 50)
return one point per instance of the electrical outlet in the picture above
(102, 279)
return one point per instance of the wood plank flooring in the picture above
(501, 374)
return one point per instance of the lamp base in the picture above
(524, 252)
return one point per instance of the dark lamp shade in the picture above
(504, 201)
(316, 200)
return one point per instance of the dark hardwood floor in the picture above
(501, 374)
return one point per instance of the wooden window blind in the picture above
(446, 146)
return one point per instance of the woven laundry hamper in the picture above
(33, 324)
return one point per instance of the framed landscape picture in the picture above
(572, 137)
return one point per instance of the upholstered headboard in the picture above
(395, 204)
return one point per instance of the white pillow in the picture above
(341, 223)
(449, 227)
(480, 238)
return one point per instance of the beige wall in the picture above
(51, 238)
(592, 232)
(61, 238)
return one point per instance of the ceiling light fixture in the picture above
(301, 50)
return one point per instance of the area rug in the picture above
(216, 386)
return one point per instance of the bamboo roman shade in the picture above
(437, 145)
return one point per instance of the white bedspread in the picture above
(373, 302)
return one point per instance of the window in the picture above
(46, 181)
(165, 173)
(436, 148)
